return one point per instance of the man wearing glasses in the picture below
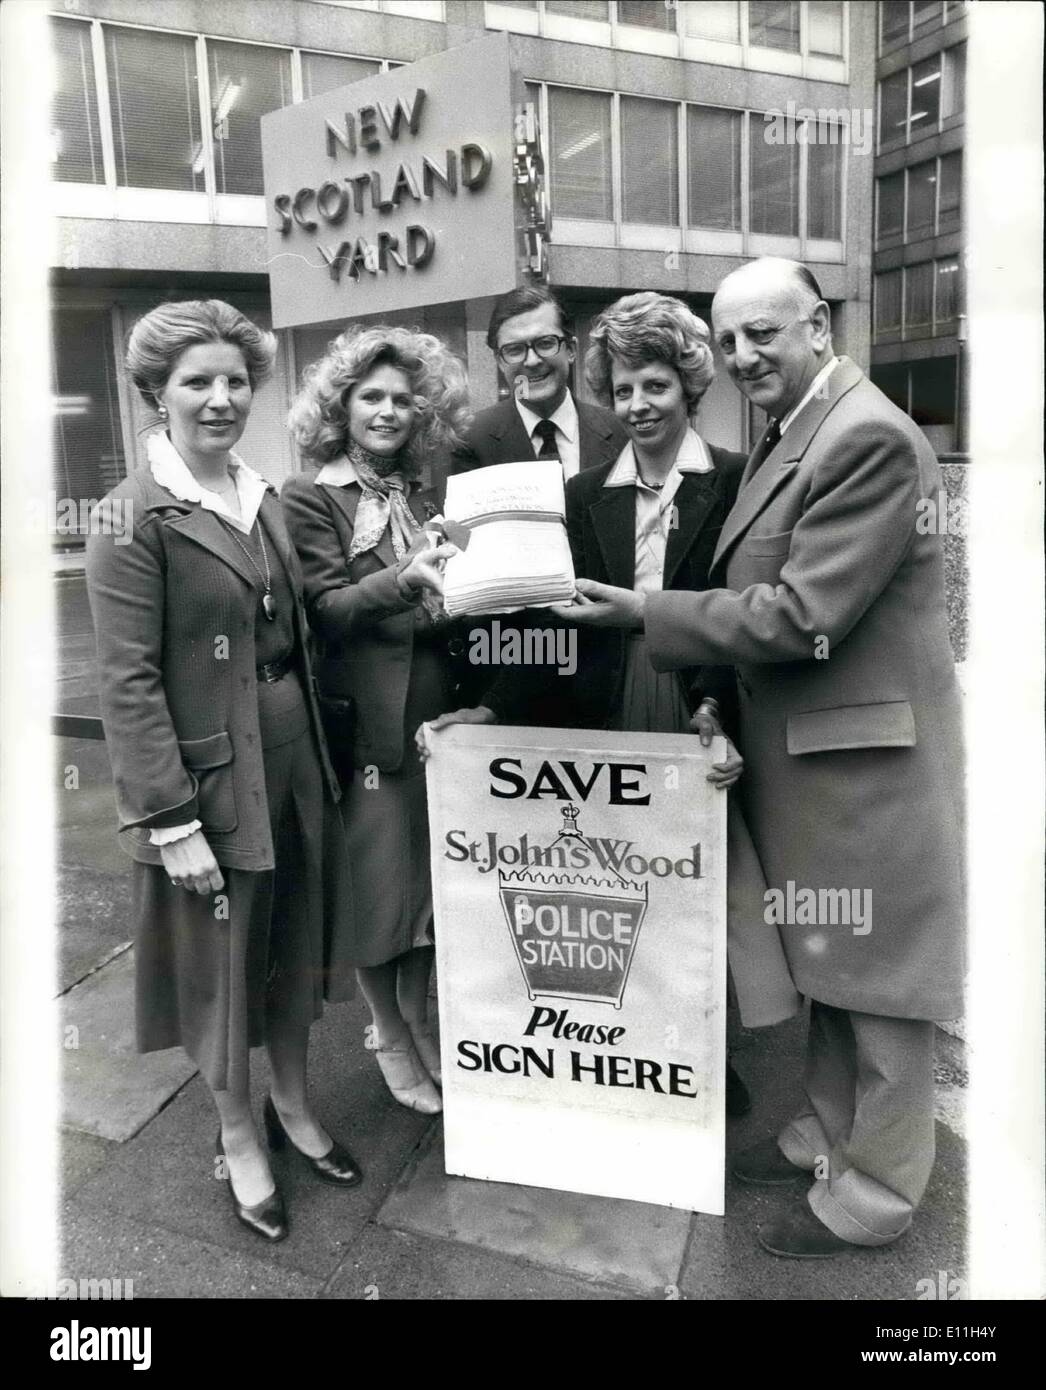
(533, 342)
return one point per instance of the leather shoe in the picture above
(267, 1218)
(407, 1079)
(798, 1235)
(738, 1100)
(336, 1166)
(764, 1165)
(427, 1048)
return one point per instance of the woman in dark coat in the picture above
(225, 794)
(380, 403)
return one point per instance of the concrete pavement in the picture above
(140, 1199)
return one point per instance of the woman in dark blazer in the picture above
(650, 520)
(371, 413)
(225, 794)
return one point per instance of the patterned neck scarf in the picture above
(382, 507)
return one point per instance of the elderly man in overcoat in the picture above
(831, 607)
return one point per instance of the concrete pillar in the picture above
(482, 368)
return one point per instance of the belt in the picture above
(275, 670)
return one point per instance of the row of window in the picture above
(904, 21)
(169, 103)
(917, 101)
(814, 28)
(924, 200)
(617, 159)
(928, 391)
(918, 301)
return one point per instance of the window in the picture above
(88, 441)
(647, 14)
(580, 144)
(949, 207)
(918, 300)
(598, 10)
(323, 72)
(922, 200)
(894, 16)
(714, 181)
(824, 180)
(953, 93)
(926, 15)
(926, 96)
(925, 390)
(773, 177)
(772, 25)
(718, 20)
(893, 106)
(890, 214)
(246, 82)
(154, 101)
(933, 400)
(825, 28)
(892, 381)
(888, 304)
(649, 162)
(76, 143)
(948, 302)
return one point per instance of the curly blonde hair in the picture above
(650, 327)
(319, 417)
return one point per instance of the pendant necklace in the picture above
(268, 602)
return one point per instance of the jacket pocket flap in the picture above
(200, 753)
(778, 544)
(887, 725)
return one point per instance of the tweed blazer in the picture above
(829, 600)
(363, 625)
(174, 612)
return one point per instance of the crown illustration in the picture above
(574, 933)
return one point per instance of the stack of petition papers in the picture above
(516, 553)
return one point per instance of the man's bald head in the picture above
(775, 274)
(773, 328)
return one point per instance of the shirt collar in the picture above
(815, 385)
(172, 472)
(693, 457)
(338, 473)
(564, 417)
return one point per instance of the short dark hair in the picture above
(522, 301)
(807, 278)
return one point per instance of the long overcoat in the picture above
(831, 608)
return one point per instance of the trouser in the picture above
(867, 1128)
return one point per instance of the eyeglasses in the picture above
(513, 354)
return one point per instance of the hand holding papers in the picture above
(517, 554)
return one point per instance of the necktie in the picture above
(545, 430)
(769, 441)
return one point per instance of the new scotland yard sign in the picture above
(395, 191)
(579, 881)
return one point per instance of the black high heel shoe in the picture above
(268, 1218)
(336, 1166)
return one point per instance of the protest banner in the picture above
(579, 881)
